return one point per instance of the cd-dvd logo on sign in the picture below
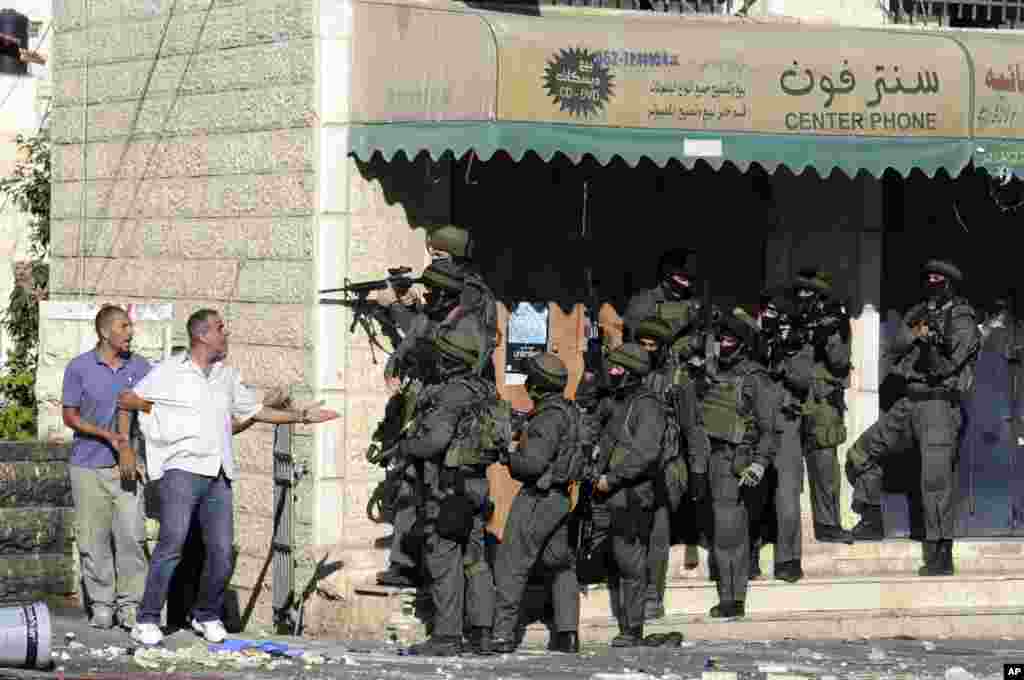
(578, 82)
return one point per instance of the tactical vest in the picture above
(678, 314)
(484, 429)
(963, 378)
(571, 457)
(722, 410)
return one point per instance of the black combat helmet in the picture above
(458, 348)
(939, 278)
(740, 325)
(547, 372)
(453, 240)
(632, 357)
(654, 328)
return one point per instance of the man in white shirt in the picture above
(190, 404)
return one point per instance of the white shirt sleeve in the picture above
(244, 404)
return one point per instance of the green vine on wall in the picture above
(28, 189)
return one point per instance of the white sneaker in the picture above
(212, 631)
(147, 634)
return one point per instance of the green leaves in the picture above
(28, 188)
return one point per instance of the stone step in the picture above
(889, 557)
(968, 606)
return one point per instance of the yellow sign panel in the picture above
(998, 84)
(411, 64)
(765, 78)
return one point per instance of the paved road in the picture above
(110, 654)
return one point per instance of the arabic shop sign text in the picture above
(805, 83)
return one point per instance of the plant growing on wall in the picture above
(28, 189)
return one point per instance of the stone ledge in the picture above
(33, 451)
(34, 484)
(967, 624)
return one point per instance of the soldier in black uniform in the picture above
(739, 415)
(824, 428)
(936, 348)
(671, 379)
(550, 456)
(416, 368)
(790, 365)
(457, 494)
(675, 301)
(624, 502)
(476, 301)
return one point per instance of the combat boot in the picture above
(398, 577)
(480, 642)
(565, 642)
(632, 637)
(790, 572)
(825, 533)
(870, 527)
(440, 645)
(755, 561)
(503, 646)
(947, 555)
(654, 602)
(729, 610)
(935, 559)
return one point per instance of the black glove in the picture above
(699, 486)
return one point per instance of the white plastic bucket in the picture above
(25, 636)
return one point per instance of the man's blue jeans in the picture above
(184, 496)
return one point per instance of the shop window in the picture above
(972, 14)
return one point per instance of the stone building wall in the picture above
(36, 522)
(186, 136)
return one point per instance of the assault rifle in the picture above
(355, 296)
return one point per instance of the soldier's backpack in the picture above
(571, 461)
(672, 476)
(484, 431)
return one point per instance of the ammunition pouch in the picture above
(414, 541)
(720, 409)
(741, 461)
(824, 426)
(677, 314)
(455, 517)
(617, 457)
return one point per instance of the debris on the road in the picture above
(76, 645)
(877, 654)
(772, 668)
(929, 646)
(69, 636)
(202, 655)
(958, 673)
(108, 653)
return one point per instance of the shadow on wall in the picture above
(539, 223)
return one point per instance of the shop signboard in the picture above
(708, 76)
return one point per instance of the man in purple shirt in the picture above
(104, 473)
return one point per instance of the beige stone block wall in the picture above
(196, 169)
